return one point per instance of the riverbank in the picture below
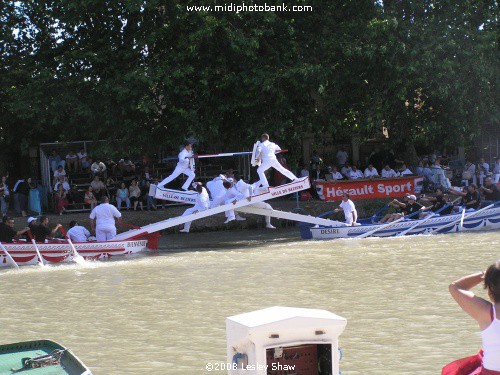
(365, 208)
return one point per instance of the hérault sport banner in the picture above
(369, 189)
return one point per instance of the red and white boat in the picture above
(137, 239)
(59, 251)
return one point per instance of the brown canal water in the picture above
(165, 313)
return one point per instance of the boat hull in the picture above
(24, 253)
(487, 220)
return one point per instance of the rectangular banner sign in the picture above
(369, 189)
(180, 196)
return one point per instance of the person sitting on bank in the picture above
(7, 231)
(485, 313)
(404, 171)
(350, 213)
(98, 168)
(371, 172)
(471, 199)
(333, 174)
(388, 172)
(469, 173)
(355, 174)
(346, 170)
(77, 233)
(406, 209)
(42, 231)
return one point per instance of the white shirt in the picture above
(105, 214)
(406, 172)
(78, 234)
(202, 200)
(348, 207)
(354, 175)
(388, 173)
(335, 176)
(346, 171)
(82, 157)
(372, 173)
(98, 167)
(184, 156)
(65, 186)
(216, 187)
(341, 157)
(71, 156)
(471, 168)
(491, 338)
(497, 167)
(57, 174)
(239, 191)
(266, 150)
(484, 168)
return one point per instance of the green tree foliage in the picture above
(149, 73)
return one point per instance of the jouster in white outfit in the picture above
(349, 211)
(491, 344)
(78, 234)
(185, 165)
(104, 215)
(266, 152)
(202, 204)
(238, 191)
(216, 186)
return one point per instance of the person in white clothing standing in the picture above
(104, 216)
(77, 233)
(202, 204)
(266, 154)
(350, 213)
(185, 165)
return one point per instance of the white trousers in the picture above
(230, 214)
(189, 211)
(176, 173)
(276, 165)
(349, 218)
(105, 233)
(217, 201)
(264, 205)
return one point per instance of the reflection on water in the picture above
(165, 313)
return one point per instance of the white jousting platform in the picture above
(280, 340)
(270, 193)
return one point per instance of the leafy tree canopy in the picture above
(150, 73)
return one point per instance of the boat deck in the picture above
(11, 359)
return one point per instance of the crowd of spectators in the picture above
(378, 166)
(125, 183)
(385, 164)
